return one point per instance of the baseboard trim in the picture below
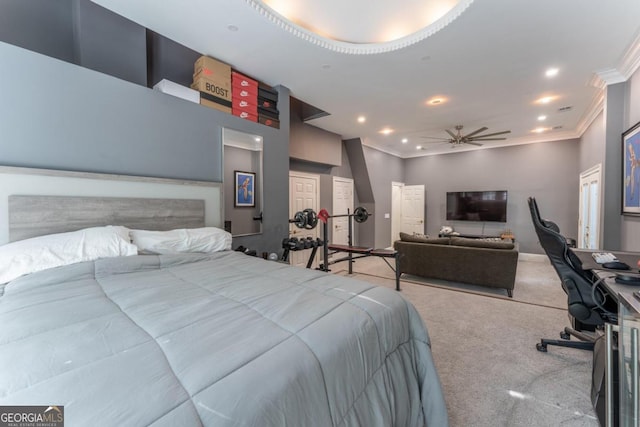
(532, 257)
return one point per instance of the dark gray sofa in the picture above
(474, 261)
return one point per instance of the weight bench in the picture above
(360, 252)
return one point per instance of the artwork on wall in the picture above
(631, 171)
(245, 185)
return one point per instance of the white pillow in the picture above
(207, 239)
(54, 250)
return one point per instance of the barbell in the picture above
(308, 218)
(359, 215)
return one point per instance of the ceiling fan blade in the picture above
(492, 134)
(473, 143)
(435, 137)
(453, 135)
(482, 129)
(487, 139)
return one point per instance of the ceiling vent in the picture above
(565, 109)
(556, 128)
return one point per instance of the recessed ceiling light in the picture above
(551, 72)
(419, 147)
(539, 130)
(545, 99)
(386, 131)
(362, 119)
(258, 139)
(437, 100)
(542, 118)
(232, 28)
(405, 140)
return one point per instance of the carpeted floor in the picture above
(484, 347)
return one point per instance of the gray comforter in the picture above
(217, 340)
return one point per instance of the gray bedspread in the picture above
(216, 340)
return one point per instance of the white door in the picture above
(304, 193)
(413, 209)
(396, 211)
(342, 201)
(589, 215)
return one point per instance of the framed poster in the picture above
(631, 171)
(245, 185)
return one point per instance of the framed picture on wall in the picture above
(631, 171)
(245, 185)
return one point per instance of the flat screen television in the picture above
(477, 206)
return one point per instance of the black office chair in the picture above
(589, 308)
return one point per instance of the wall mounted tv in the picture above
(477, 206)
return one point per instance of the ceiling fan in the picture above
(458, 138)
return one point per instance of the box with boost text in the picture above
(212, 69)
(219, 89)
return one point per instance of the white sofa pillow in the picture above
(55, 250)
(207, 240)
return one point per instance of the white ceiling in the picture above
(486, 57)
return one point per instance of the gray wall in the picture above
(43, 26)
(239, 159)
(547, 171)
(89, 121)
(630, 225)
(109, 43)
(383, 169)
(93, 122)
(592, 144)
(310, 143)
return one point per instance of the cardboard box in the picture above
(244, 105)
(267, 104)
(245, 115)
(268, 121)
(217, 88)
(267, 93)
(245, 92)
(171, 88)
(215, 105)
(214, 102)
(267, 113)
(211, 68)
(240, 80)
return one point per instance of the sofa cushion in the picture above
(406, 237)
(480, 243)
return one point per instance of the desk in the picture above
(627, 403)
(588, 263)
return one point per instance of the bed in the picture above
(214, 339)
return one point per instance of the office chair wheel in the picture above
(565, 336)
(541, 347)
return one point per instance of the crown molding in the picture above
(631, 59)
(595, 108)
(628, 65)
(358, 48)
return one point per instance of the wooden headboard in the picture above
(31, 216)
(34, 202)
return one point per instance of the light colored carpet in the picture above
(483, 345)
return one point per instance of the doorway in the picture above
(589, 212)
(396, 211)
(304, 193)
(342, 202)
(407, 209)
